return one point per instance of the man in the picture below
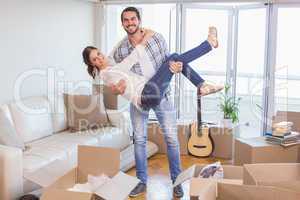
(157, 51)
(166, 114)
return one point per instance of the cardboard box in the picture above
(257, 150)
(209, 189)
(250, 192)
(233, 187)
(299, 154)
(200, 187)
(111, 101)
(223, 139)
(291, 117)
(285, 176)
(156, 136)
(50, 173)
(94, 161)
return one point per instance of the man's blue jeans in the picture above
(166, 115)
(154, 89)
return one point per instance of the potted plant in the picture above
(230, 107)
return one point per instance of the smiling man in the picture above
(157, 51)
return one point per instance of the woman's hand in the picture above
(148, 33)
(175, 67)
(119, 88)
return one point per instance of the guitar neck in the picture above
(199, 117)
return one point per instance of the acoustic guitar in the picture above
(200, 143)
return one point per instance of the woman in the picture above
(143, 92)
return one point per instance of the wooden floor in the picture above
(159, 185)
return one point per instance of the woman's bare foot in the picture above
(213, 37)
(206, 89)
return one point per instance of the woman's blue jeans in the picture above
(155, 88)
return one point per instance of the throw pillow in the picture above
(85, 112)
(8, 134)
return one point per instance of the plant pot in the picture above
(227, 123)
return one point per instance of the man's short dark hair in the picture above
(131, 9)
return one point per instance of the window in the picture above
(251, 37)
(231, 63)
(287, 71)
(212, 67)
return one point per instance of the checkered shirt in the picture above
(156, 49)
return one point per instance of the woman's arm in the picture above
(138, 53)
(132, 59)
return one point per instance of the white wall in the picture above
(38, 34)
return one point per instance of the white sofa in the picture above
(47, 139)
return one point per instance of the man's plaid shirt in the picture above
(156, 49)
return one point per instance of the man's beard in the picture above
(132, 33)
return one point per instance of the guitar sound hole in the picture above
(199, 146)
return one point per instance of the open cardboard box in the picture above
(94, 161)
(206, 188)
(239, 185)
(227, 191)
(281, 175)
(280, 181)
(209, 189)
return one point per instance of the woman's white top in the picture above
(135, 83)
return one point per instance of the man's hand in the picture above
(175, 67)
(147, 34)
(119, 88)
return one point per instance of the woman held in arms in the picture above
(143, 92)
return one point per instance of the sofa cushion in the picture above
(57, 146)
(64, 146)
(32, 118)
(106, 137)
(8, 134)
(85, 112)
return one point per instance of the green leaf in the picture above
(229, 105)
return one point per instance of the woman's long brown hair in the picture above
(86, 59)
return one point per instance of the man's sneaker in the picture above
(178, 191)
(206, 89)
(213, 37)
(138, 190)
